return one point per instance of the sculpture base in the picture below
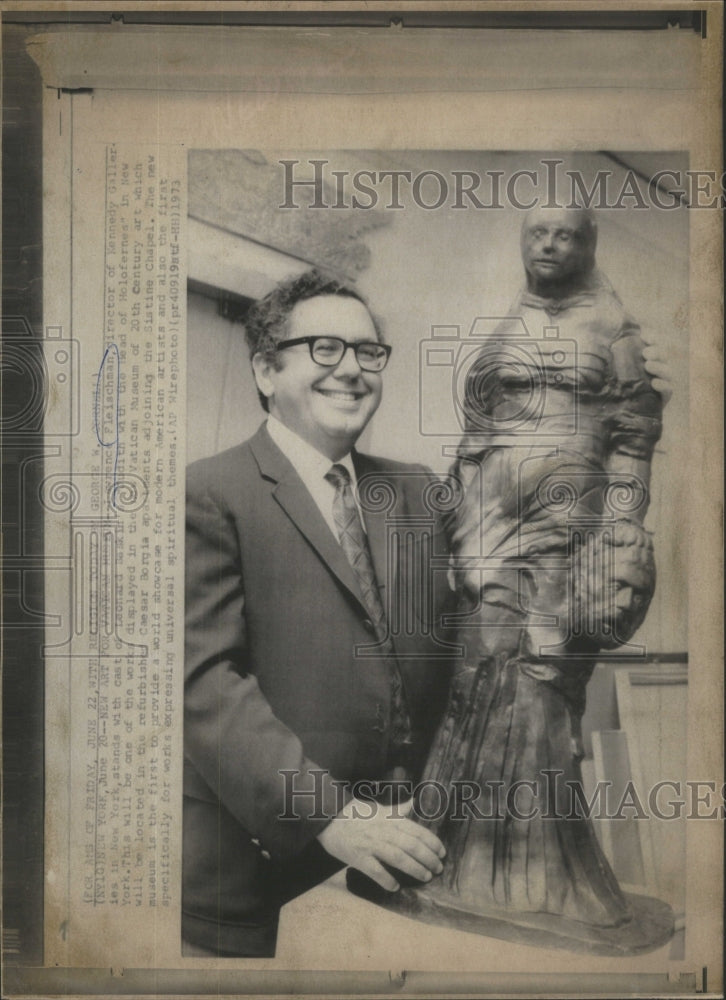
(650, 927)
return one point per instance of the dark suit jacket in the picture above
(282, 674)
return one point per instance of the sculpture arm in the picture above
(635, 423)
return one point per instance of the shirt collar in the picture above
(309, 463)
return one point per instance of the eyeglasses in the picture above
(329, 351)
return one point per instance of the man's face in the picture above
(556, 248)
(328, 407)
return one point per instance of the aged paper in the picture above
(186, 170)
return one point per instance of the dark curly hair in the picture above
(266, 323)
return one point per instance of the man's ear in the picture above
(262, 367)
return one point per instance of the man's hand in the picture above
(366, 835)
(658, 369)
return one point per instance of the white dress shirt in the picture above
(312, 466)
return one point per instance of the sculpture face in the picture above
(615, 584)
(558, 250)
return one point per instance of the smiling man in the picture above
(295, 687)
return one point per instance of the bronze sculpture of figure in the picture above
(551, 565)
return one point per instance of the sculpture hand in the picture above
(659, 370)
(369, 836)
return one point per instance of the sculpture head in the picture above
(614, 584)
(558, 250)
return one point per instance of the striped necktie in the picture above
(354, 543)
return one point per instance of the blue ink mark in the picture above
(106, 407)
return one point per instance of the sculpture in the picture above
(551, 564)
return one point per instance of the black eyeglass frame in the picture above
(310, 341)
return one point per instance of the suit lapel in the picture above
(293, 497)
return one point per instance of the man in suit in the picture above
(296, 686)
